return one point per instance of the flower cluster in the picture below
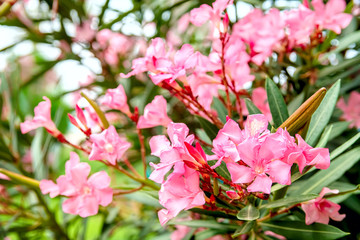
(255, 158)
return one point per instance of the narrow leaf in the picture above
(324, 177)
(245, 228)
(289, 201)
(322, 115)
(210, 129)
(248, 213)
(324, 137)
(220, 109)
(211, 224)
(300, 231)
(344, 146)
(277, 104)
(252, 109)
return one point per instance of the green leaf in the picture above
(248, 213)
(222, 169)
(252, 109)
(337, 129)
(344, 146)
(94, 226)
(277, 104)
(210, 129)
(288, 201)
(324, 177)
(300, 231)
(333, 69)
(220, 109)
(345, 41)
(211, 224)
(296, 103)
(322, 115)
(206, 234)
(245, 228)
(213, 213)
(324, 137)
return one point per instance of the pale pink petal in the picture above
(239, 173)
(260, 184)
(99, 180)
(48, 186)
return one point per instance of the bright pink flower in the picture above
(262, 33)
(321, 210)
(204, 13)
(156, 56)
(84, 195)
(180, 191)
(300, 24)
(303, 154)
(42, 118)
(262, 168)
(259, 98)
(351, 110)
(180, 232)
(108, 145)
(154, 114)
(169, 153)
(117, 99)
(331, 16)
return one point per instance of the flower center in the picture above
(109, 148)
(86, 190)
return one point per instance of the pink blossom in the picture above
(180, 191)
(154, 114)
(42, 118)
(84, 32)
(259, 98)
(262, 168)
(180, 232)
(300, 24)
(351, 110)
(321, 210)
(84, 195)
(81, 117)
(156, 56)
(117, 99)
(204, 13)
(331, 16)
(169, 152)
(262, 33)
(304, 155)
(108, 145)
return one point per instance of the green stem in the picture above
(97, 109)
(6, 6)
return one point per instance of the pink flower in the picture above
(169, 153)
(321, 210)
(154, 114)
(259, 98)
(84, 32)
(303, 154)
(108, 145)
(155, 55)
(180, 191)
(42, 118)
(116, 99)
(81, 117)
(84, 195)
(204, 13)
(262, 168)
(351, 110)
(331, 16)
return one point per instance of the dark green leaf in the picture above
(220, 109)
(211, 224)
(344, 146)
(300, 231)
(245, 228)
(277, 104)
(252, 109)
(210, 129)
